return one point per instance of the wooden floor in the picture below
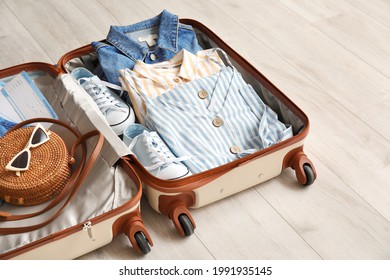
(331, 57)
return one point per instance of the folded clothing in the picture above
(153, 80)
(215, 119)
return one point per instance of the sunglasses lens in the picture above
(21, 161)
(39, 136)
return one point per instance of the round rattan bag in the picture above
(48, 166)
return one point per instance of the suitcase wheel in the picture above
(309, 173)
(186, 224)
(142, 242)
(176, 208)
(182, 218)
(133, 227)
(304, 169)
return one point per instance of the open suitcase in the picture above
(108, 200)
(174, 198)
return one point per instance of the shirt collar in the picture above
(184, 59)
(168, 28)
(190, 62)
(189, 65)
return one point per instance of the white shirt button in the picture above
(176, 79)
(153, 57)
(217, 122)
(235, 149)
(202, 94)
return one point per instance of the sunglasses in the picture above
(21, 161)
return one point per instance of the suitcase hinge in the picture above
(88, 227)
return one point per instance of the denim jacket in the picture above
(135, 42)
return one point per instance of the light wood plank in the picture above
(363, 36)
(101, 16)
(16, 43)
(330, 216)
(313, 11)
(57, 25)
(128, 12)
(351, 28)
(245, 226)
(378, 116)
(105, 13)
(378, 10)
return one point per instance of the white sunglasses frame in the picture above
(27, 148)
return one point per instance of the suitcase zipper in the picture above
(88, 227)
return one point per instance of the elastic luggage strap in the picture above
(72, 185)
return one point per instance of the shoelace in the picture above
(98, 90)
(158, 152)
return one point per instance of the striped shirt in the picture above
(153, 80)
(215, 119)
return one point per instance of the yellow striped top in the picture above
(152, 80)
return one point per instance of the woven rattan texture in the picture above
(47, 175)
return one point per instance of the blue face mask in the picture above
(153, 40)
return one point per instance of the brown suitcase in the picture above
(174, 198)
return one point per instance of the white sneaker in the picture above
(118, 113)
(154, 155)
